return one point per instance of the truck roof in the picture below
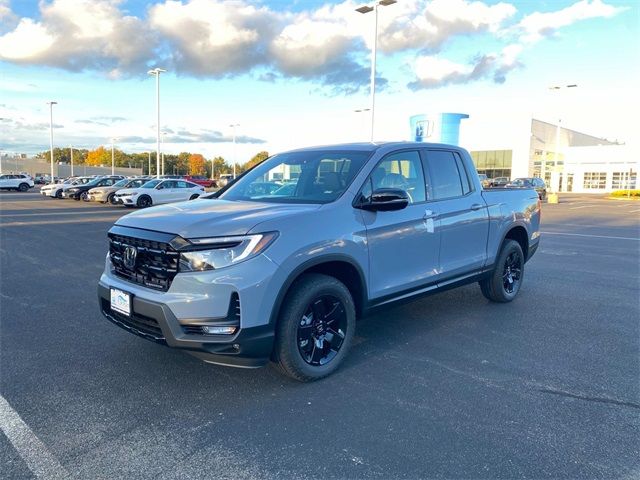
(371, 146)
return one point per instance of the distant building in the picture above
(518, 147)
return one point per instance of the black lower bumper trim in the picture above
(248, 348)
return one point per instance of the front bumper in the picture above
(248, 347)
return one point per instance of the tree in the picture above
(99, 156)
(220, 166)
(182, 162)
(257, 158)
(196, 164)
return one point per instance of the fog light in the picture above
(218, 330)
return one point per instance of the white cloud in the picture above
(434, 72)
(416, 25)
(208, 37)
(539, 25)
(79, 35)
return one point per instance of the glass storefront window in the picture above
(623, 181)
(595, 180)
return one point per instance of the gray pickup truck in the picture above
(280, 263)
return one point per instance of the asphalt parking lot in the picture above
(449, 386)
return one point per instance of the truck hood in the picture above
(209, 217)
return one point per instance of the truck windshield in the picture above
(299, 177)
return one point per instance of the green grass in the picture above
(626, 193)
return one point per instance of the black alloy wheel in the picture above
(23, 187)
(84, 196)
(505, 281)
(511, 273)
(322, 330)
(144, 201)
(59, 194)
(111, 199)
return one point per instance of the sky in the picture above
(293, 73)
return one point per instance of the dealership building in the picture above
(526, 147)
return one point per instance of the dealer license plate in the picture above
(120, 301)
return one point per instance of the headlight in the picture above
(221, 252)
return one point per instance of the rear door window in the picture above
(445, 176)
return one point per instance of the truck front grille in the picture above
(156, 262)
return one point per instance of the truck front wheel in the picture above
(315, 327)
(506, 279)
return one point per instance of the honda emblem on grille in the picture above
(129, 257)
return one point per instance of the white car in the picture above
(55, 189)
(16, 181)
(160, 191)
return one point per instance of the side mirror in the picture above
(159, 187)
(386, 200)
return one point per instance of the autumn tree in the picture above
(257, 158)
(196, 164)
(99, 156)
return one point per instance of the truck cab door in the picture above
(403, 244)
(463, 218)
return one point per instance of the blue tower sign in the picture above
(437, 127)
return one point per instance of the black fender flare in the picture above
(336, 257)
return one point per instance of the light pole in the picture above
(149, 172)
(113, 157)
(51, 104)
(557, 147)
(157, 72)
(362, 110)
(234, 125)
(71, 153)
(162, 144)
(374, 47)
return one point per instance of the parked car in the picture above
(107, 193)
(56, 190)
(499, 182)
(81, 192)
(224, 179)
(239, 279)
(16, 181)
(159, 191)
(200, 180)
(531, 182)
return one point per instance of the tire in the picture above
(84, 196)
(193, 197)
(59, 194)
(504, 283)
(111, 199)
(23, 187)
(144, 201)
(319, 296)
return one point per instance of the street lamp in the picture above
(157, 72)
(366, 9)
(149, 171)
(234, 125)
(51, 104)
(71, 154)
(557, 147)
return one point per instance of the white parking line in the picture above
(592, 236)
(34, 453)
(581, 206)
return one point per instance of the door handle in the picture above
(429, 214)
(476, 206)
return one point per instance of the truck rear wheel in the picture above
(315, 327)
(506, 279)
